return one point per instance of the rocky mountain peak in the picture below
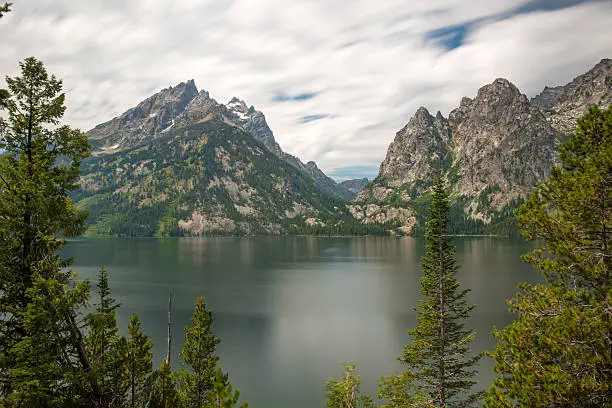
(183, 106)
(565, 104)
(421, 118)
(504, 147)
(415, 155)
(499, 92)
(151, 116)
(239, 108)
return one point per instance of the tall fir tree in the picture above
(107, 349)
(198, 355)
(38, 169)
(138, 365)
(558, 351)
(439, 363)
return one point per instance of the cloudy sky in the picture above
(335, 78)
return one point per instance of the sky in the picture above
(336, 79)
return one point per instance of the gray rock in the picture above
(564, 105)
(503, 144)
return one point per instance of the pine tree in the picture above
(42, 368)
(344, 391)
(438, 361)
(40, 166)
(222, 394)
(107, 349)
(165, 390)
(198, 354)
(558, 351)
(139, 364)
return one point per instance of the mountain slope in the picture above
(205, 178)
(183, 105)
(494, 149)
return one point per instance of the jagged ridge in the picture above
(494, 149)
(183, 105)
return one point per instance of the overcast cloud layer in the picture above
(335, 79)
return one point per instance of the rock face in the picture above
(494, 149)
(254, 122)
(355, 185)
(417, 152)
(503, 147)
(149, 118)
(182, 106)
(564, 105)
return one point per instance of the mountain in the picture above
(494, 149)
(205, 178)
(355, 185)
(179, 163)
(564, 105)
(183, 105)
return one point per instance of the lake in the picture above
(288, 310)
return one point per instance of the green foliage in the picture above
(211, 168)
(165, 389)
(43, 356)
(438, 362)
(398, 391)
(107, 350)
(138, 365)
(222, 395)
(42, 368)
(344, 391)
(558, 352)
(198, 353)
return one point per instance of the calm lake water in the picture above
(288, 310)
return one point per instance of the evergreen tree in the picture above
(398, 391)
(558, 351)
(139, 364)
(344, 391)
(438, 361)
(165, 391)
(42, 367)
(222, 394)
(38, 169)
(107, 350)
(198, 354)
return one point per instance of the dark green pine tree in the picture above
(107, 349)
(439, 358)
(222, 394)
(558, 351)
(198, 354)
(165, 393)
(38, 308)
(138, 365)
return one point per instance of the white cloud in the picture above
(368, 61)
